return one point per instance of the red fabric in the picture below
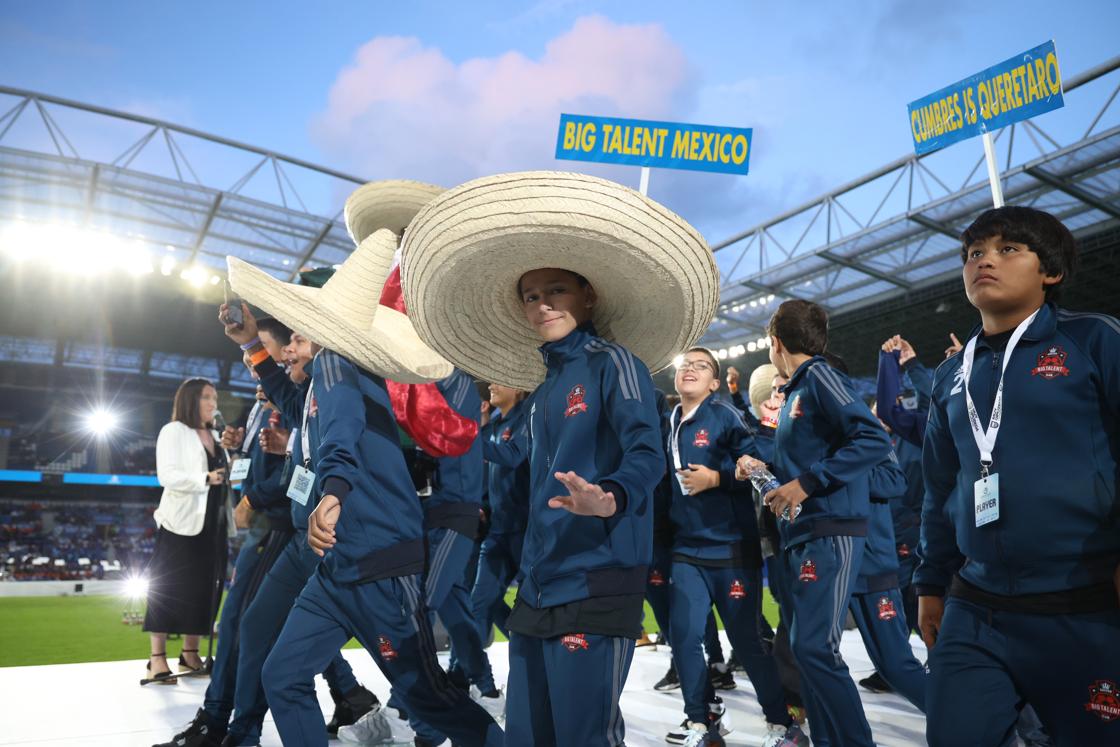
(421, 409)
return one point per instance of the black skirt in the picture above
(184, 574)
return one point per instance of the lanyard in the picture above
(675, 445)
(986, 439)
(256, 417)
(304, 434)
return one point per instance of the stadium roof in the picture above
(896, 230)
(176, 201)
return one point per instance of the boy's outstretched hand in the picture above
(584, 498)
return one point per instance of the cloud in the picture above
(401, 109)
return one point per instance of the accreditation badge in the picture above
(240, 470)
(986, 499)
(303, 481)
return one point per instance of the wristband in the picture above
(250, 344)
(259, 357)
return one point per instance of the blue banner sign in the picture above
(665, 145)
(20, 475)
(93, 478)
(1022, 87)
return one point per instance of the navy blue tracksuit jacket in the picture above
(381, 535)
(832, 463)
(505, 448)
(1057, 457)
(709, 525)
(594, 415)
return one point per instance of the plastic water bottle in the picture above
(763, 480)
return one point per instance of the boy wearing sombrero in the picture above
(609, 282)
(368, 523)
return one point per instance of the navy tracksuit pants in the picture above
(822, 574)
(261, 624)
(778, 581)
(737, 594)
(447, 595)
(986, 663)
(218, 702)
(564, 691)
(389, 618)
(882, 624)
(659, 593)
(498, 562)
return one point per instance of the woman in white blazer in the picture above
(195, 521)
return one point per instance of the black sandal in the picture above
(161, 678)
(185, 667)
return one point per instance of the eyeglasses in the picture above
(698, 366)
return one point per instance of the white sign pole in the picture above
(993, 170)
(644, 183)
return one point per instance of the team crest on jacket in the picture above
(574, 642)
(1104, 700)
(655, 578)
(507, 434)
(701, 438)
(808, 571)
(886, 609)
(795, 410)
(576, 404)
(904, 550)
(737, 590)
(385, 648)
(1051, 364)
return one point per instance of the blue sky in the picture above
(448, 91)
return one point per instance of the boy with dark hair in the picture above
(1020, 465)
(826, 444)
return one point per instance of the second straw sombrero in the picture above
(345, 316)
(462, 255)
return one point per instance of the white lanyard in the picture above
(304, 434)
(256, 417)
(675, 445)
(986, 439)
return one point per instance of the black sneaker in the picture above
(669, 682)
(202, 732)
(351, 707)
(876, 684)
(716, 728)
(678, 735)
(721, 677)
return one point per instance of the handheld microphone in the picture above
(219, 421)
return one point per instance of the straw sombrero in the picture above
(655, 277)
(387, 204)
(345, 316)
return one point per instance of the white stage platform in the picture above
(102, 704)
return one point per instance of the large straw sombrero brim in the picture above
(345, 316)
(387, 204)
(655, 277)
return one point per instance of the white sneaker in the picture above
(785, 736)
(496, 707)
(377, 728)
(698, 735)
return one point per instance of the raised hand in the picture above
(584, 498)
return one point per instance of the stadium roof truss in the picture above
(897, 229)
(197, 197)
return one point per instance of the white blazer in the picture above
(181, 468)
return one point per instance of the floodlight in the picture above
(101, 422)
(136, 587)
(678, 360)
